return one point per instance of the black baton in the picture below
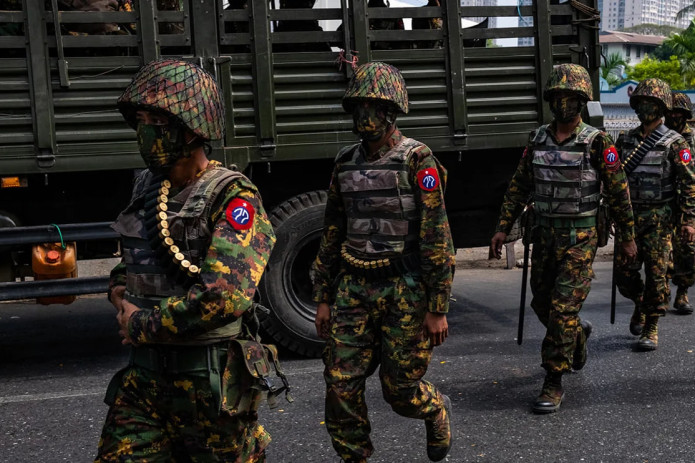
(613, 283)
(522, 303)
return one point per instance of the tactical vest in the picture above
(382, 217)
(152, 273)
(652, 181)
(566, 184)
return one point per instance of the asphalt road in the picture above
(625, 406)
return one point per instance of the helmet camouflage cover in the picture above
(177, 89)
(653, 88)
(681, 102)
(571, 77)
(377, 81)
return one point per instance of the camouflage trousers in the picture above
(653, 229)
(683, 258)
(159, 418)
(561, 277)
(376, 322)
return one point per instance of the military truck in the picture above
(67, 158)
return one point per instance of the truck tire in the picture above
(286, 285)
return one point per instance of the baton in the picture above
(522, 303)
(613, 283)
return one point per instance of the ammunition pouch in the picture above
(603, 224)
(246, 377)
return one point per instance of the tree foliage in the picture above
(669, 71)
(652, 29)
(612, 69)
(683, 47)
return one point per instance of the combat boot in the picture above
(681, 303)
(650, 334)
(551, 396)
(637, 320)
(581, 351)
(439, 432)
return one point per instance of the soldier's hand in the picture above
(629, 251)
(323, 320)
(496, 245)
(117, 296)
(688, 233)
(436, 327)
(123, 315)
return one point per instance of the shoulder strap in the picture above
(633, 160)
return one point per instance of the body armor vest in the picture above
(382, 217)
(652, 180)
(566, 184)
(152, 273)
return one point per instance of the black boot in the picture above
(681, 303)
(637, 320)
(650, 335)
(551, 396)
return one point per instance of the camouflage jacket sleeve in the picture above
(437, 255)
(681, 157)
(327, 264)
(230, 272)
(606, 161)
(517, 195)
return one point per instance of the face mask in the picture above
(648, 111)
(565, 109)
(676, 121)
(161, 146)
(371, 121)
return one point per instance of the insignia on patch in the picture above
(610, 156)
(240, 214)
(428, 179)
(685, 156)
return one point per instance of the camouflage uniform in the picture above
(565, 236)
(192, 258)
(683, 257)
(662, 188)
(377, 313)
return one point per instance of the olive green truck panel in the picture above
(67, 157)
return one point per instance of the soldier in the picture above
(309, 25)
(564, 167)
(195, 240)
(382, 277)
(683, 253)
(662, 188)
(428, 24)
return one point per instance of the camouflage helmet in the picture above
(681, 102)
(571, 77)
(177, 89)
(377, 81)
(653, 88)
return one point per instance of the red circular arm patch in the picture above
(240, 214)
(610, 156)
(428, 179)
(685, 155)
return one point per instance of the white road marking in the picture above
(50, 396)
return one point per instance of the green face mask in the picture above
(648, 111)
(371, 121)
(565, 108)
(161, 146)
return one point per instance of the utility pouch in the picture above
(247, 377)
(603, 224)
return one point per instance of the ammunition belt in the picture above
(381, 268)
(157, 229)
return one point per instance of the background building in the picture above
(619, 14)
(632, 47)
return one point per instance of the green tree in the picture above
(683, 47)
(612, 69)
(652, 29)
(668, 71)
